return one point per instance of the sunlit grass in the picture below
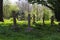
(39, 32)
(11, 21)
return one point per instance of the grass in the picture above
(39, 32)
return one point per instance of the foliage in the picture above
(47, 12)
(53, 4)
(7, 10)
(56, 8)
(39, 32)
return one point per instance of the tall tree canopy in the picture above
(52, 4)
(56, 8)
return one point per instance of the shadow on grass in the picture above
(39, 31)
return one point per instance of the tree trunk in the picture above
(43, 19)
(14, 19)
(1, 11)
(28, 20)
(22, 16)
(59, 23)
(52, 20)
(33, 18)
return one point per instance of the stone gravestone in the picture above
(1, 11)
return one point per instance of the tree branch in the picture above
(49, 6)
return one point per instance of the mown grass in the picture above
(39, 32)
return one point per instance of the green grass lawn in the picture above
(39, 31)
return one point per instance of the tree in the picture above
(7, 8)
(33, 19)
(14, 21)
(55, 8)
(53, 5)
(14, 18)
(23, 6)
(1, 11)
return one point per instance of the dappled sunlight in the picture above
(30, 20)
(39, 32)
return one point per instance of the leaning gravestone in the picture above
(1, 11)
